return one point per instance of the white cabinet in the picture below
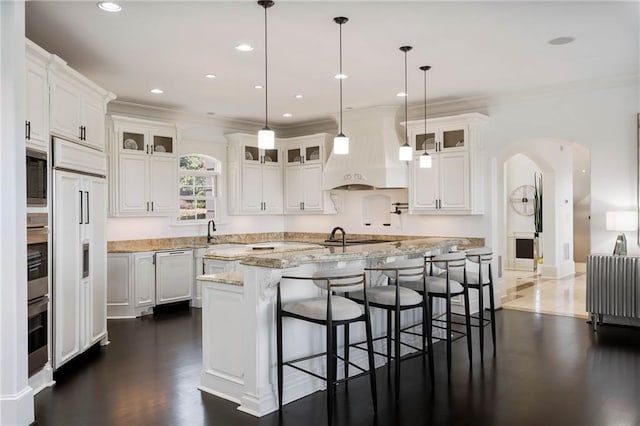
(131, 284)
(216, 266)
(80, 270)
(37, 99)
(174, 276)
(144, 168)
(255, 177)
(453, 185)
(304, 162)
(144, 278)
(77, 106)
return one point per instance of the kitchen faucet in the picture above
(211, 227)
(332, 235)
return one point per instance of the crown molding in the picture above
(155, 112)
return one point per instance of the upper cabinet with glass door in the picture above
(304, 150)
(440, 137)
(255, 155)
(136, 137)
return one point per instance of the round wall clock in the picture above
(521, 200)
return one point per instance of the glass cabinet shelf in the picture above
(133, 141)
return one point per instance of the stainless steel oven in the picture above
(37, 290)
(36, 178)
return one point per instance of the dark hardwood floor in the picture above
(548, 371)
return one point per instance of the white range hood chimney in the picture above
(372, 161)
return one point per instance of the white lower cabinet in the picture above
(174, 276)
(215, 266)
(144, 274)
(131, 285)
(139, 281)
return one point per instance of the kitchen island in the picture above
(238, 319)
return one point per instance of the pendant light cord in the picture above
(425, 111)
(341, 79)
(266, 74)
(406, 95)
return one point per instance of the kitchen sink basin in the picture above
(338, 243)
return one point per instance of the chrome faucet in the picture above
(211, 227)
(332, 235)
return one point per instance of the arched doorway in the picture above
(564, 166)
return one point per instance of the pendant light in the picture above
(341, 141)
(425, 159)
(266, 136)
(406, 153)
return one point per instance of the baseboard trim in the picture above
(17, 409)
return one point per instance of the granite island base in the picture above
(238, 320)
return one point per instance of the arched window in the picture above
(198, 187)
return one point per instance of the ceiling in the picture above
(475, 48)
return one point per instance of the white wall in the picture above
(602, 120)
(16, 397)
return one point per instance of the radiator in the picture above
(613, 286)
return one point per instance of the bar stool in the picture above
(478, 280)
(330, 311)
(444, 286)
(394, 299)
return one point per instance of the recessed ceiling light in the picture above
(210, 75)
(287, 114)
(340, 76)
(561, 40)
(258, 86)
(156, 91)
(109, 6)
(299, 96)
(244, 47)
(401, 94)
(584, 171)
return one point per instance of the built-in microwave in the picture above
(36, 178)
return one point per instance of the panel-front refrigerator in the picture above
(79, 249)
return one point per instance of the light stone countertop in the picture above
(237, 252)
(232, 278)
(290, 259)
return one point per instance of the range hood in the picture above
(372, 161)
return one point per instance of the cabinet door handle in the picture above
(303, 205)
(84, 133)
(28, 123)
(147, 206)
(87, 194)
(81, 209)
(152, 206)
(80, 129)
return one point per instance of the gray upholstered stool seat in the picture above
(342, 309)
(386, 295)
(472, 277)
(436, 285)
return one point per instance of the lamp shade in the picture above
(622, 221)
(341, 145)
(266, 139)
(425, 161)
(406, 153)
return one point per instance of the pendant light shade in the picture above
(341, 141)
(406, 153)
(425, 158)
(266, 136)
